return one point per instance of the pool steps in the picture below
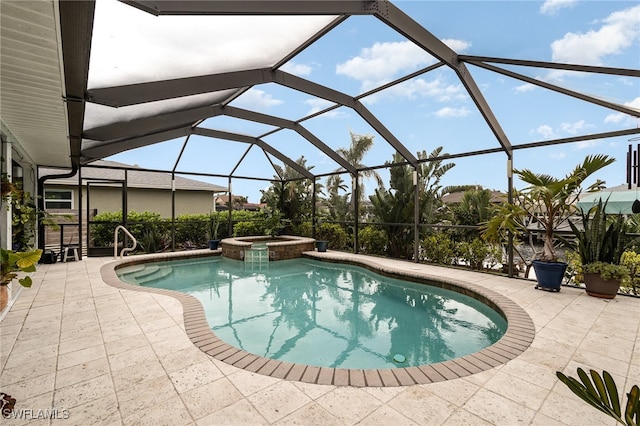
(149, 273)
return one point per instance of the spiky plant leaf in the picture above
(603, 394)
(602, 391)
(612, 390)
(632, 411)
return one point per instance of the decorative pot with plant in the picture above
(600, 244)
(212, 231)
(12, 264)
(543, 206)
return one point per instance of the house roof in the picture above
(456, 197)
(136, 177)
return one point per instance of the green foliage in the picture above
(104, 225)
(302, 229)
(289, 193)
(191, 229)
(272, 222)
(601, 393)
(631, 260)
(602, 237)
(213, 224)
(473, 209)
(606, 270)
(550, 201)
(14, 262)
(574, 267)
(438, 248)
(153, 240)
(342, 206)
(396, 205)
(247, 228)
(338, 204)
(102, 228)
(474, 253)
(333, 233)
(24, 217)
(373, 240)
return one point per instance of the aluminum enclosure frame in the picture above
(103, 141)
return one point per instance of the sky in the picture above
(362, 53)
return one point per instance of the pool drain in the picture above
(399, 358)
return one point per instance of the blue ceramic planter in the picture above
(549, 274)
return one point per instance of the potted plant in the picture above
(12, 264)
(212, 231)
(543, 206)
(600, 244)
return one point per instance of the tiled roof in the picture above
(135, 178)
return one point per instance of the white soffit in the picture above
(32, 89)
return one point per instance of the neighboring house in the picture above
(146, 191)
(497, 197)
(103, 191)
(239, 203)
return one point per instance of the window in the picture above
(58, 199)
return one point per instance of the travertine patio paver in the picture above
(115, 356)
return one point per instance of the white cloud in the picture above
(420, 88)
(619, 31)
(574, 128)
(459, 46)
(448, 112)
(318, 104)
(558, 155)
(619, 117)
(382, 62)
(255, 98)
(297, 69)
(546, 131)
(587, 144)
(551, 7)
(527, 87)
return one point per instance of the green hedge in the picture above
(191, 230)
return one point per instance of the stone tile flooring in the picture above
(83, 352)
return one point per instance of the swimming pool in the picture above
(322, 314)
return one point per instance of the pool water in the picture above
(326, 314)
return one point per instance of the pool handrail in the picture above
(115, 242)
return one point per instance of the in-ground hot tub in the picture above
(279, 248)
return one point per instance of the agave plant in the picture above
(601, 241)
(601, 392)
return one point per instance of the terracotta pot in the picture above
(4, 297)
(599, 287)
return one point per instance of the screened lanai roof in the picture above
(180, 70)
(204, 77)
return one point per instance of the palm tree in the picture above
(397, 204)
(550, 200)
(338, 204)
(289, 193)
(360, 144)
